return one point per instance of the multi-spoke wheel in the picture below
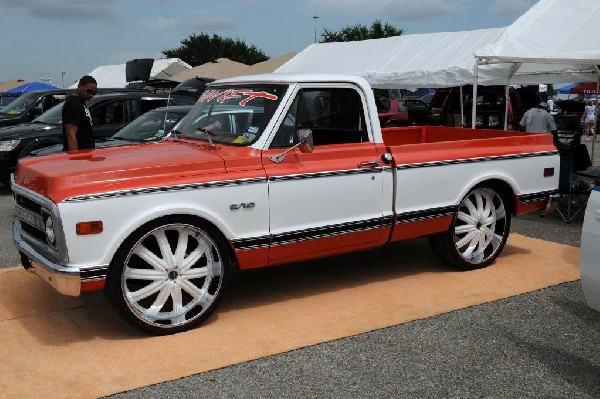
(478, 232)
(169, 276)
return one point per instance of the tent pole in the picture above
(506, 101)
(513, 69)
(474, 99)
(596, 111)
(462, 111)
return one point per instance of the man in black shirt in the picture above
(76, 118)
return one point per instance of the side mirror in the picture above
(305, 143)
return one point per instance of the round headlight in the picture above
(50, 235)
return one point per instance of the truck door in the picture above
(328, 201)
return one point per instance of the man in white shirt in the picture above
(538, 120)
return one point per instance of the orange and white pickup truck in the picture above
(266, 170)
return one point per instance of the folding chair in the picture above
(574, 186)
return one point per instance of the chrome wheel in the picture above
(480, 226)
(170, 277)
(478, 232)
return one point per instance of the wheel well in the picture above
(192, 219)
(505, 190)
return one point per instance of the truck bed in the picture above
(395, 136)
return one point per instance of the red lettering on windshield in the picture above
(245, 96)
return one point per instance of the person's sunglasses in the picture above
(91, 92)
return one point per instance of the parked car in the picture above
(402, 112)
(590, 249)
(31, 105)
(491, 106)
(110, 113)
(154, 125)
(436, 104)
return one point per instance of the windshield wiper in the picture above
(209, 135)
(176, 134)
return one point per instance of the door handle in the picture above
(369, 164)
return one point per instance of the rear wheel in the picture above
(478, 231)
(169, 276)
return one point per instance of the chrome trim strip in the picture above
(165, 189)
(475, 160)
(333, 173)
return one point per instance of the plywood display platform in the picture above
(56, 346)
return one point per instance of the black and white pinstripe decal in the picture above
(475, 160)
(416, 216)
(312, 233)
(535, 197)
(216, 184)
(93, 273)
(166, 189)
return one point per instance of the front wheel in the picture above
(169, 276)
(478, 231)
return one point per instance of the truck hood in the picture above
(17, 131)
(169, 163)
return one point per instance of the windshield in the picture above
(151, 126)
(54, 115)
(20, 105)
(235, 115)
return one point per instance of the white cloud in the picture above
(160, 22)
(210, 23)
(401, 10)
(58, 10)
(509, 8)
(410, 10)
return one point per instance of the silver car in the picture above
(590, 249)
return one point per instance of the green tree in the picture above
(357, 32)
(202, 48)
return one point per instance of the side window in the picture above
(401, 106)
(109, 112)
(147, 105)
(115, 113)
(335, 116)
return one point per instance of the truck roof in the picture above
(289, 78)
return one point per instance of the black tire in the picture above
(478, 232)
(170, 275)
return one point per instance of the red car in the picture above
(402, 112)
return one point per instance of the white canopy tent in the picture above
(530, 52)
(113, 76)
(441, 59)
(555, 41)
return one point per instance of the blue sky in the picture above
(41, 39)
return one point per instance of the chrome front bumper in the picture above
(66, 281)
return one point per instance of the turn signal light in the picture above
(87, 228)
(548, 172)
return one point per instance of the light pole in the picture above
(315, 17)
(62, 76)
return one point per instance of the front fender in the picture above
(122, 216)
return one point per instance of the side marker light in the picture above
(548, 172)
(87, 228)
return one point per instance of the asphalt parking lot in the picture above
(542, 344)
